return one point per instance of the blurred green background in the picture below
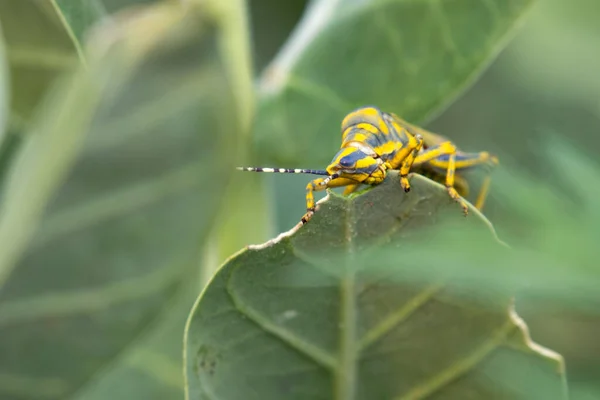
(545, 82)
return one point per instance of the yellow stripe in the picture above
(345, 133)
(467, 163)
(383, 127)
(398, 128)
(387, 148)
(362, 114)
(369, 112)
(358, 137)
(368, 127)
(350, 117)
(365, 162)
(459, 164)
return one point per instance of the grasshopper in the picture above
(374, 142)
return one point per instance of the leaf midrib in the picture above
(345, 379)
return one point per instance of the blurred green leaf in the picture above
(41, 43)
(555, 29)
(79, 16)
(43, 39)
(150, 368)
(306, 316)
(236, 225)
(99, 297)
(4, 88)
(409, 57)
(117, 5)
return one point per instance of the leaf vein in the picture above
(158, 366)
(438, 13)
(459, 367)
(88, 300)
(118, 202)
(318, 92)
(288, 337)
(398, 316)
(345, 377)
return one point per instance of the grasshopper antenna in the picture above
(285, 170)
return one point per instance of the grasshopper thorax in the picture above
(356, 161)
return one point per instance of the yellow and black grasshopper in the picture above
(374, 142)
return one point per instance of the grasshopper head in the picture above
(357, 164)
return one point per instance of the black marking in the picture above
(285, 170)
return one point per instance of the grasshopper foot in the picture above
(456, 197)
(309, 213)
(464, 207)
(405, 184)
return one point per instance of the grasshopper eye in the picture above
(348, 162)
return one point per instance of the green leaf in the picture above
(118, 5)
(134, 153)
(79, 16)
(40, 46)
(43, 40)
(236, 226)
(4, 88)
(410, 57)
(308, 315)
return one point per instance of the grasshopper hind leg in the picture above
(443, 156)
(483, 192)
(442, 159)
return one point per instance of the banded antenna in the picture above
(285, 170)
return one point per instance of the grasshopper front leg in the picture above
(415, 146)
(318, 185)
